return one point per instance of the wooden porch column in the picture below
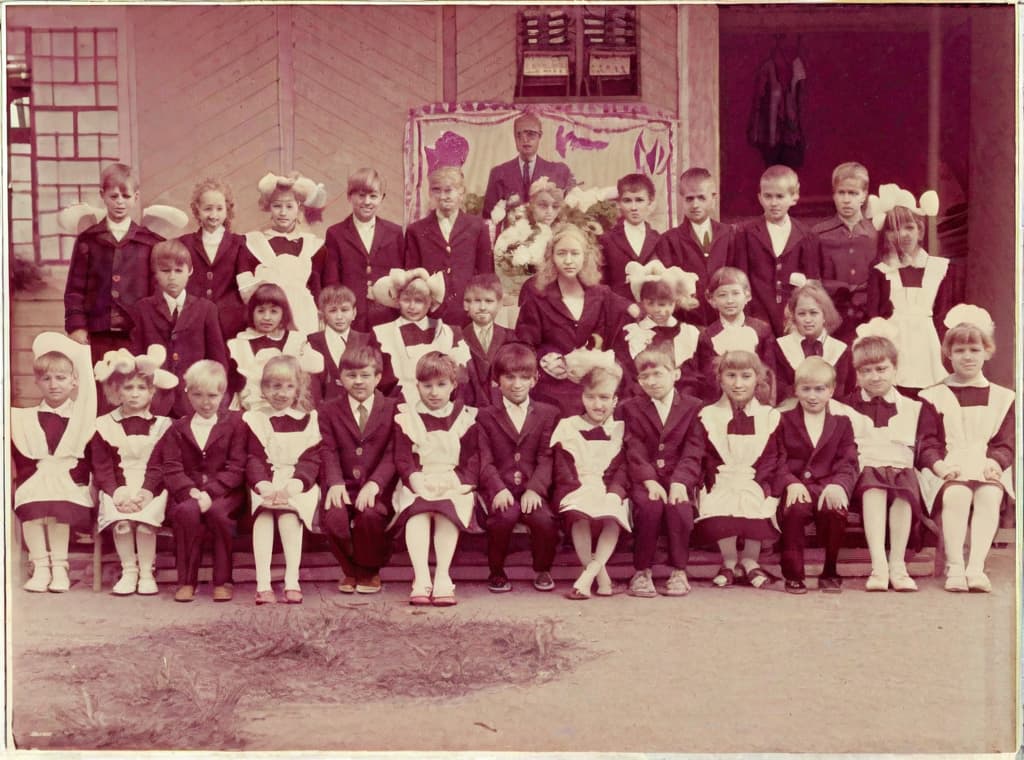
(699, 143)
(285, 87)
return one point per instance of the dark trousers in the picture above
(358, 540)
(830, 524)
(543, 527)
(189, 523)
(648, 517)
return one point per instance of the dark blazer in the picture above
(769, 275)
(216, 282)
(105, 276)
(326, 385)
(479, 391)
(832, 461)
(516, 461)
(353, 458)
(654, 450)
(506, 180)
(679, 247)
(343, 260)
(466, 253)
(193, 336)
(617, 252)
(218, 468)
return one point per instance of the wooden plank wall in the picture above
(486, 42)
(659, 57)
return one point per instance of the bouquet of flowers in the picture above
(593, 210)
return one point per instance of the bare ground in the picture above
(733, 670)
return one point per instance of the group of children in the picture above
(769, 376)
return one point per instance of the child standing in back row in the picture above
(632, 239)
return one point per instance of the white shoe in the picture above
(147, 585)
(901, 580)
(128, 582)
(956, 582)
(59, 581)
(877, 581)
(979, 582)
(40, 580)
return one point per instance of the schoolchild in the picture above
(362, 248)
(590, 481)
(519, 248)
(284, 251)
(48, 453)
(849, 246)
(659, 425)
(338, 312)
(184, 325)
(776, 251)
(126, 467)
(895, 435)
(450, 242)
(817, 476)
(483, 336)
(109, 269)
(219, 255)
(811, 323)
(515, 467)
(974, 477)
(908, 286)
(203, 461)
(437, 458)
(281, 472)
(358, 471)
(700, 245)
(632, 239)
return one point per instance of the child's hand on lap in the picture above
(834, 497)
(531, 500)
(796, 492)
(677, 494)
(366, 496)
(655, 491)
(992, 470)
(337, 496)
(503, 500)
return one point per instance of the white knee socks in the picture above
(446, 538)
(34, 533)
(262, 548)
(417, 543)
(290, 528)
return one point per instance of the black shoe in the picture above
(796, 587)
(830, 584)
(498, 584)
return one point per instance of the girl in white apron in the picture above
(975, 475)
(284, 462)
(131, 494)
(48, 451)
(435, 455)
(590, 472)
(285, 253)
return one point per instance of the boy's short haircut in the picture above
(119, 176)
(652, 358)
(487, 281)
(727, 276)
(212, 183)
(451, 173)
(815, 369)
(966, 334)
(634, 183)
(417, 287)
(874, 349)
(599, 375)
(782, 174)
(206, 373)
(365, 180)
(334, 295)
(696, 174)
(850, 170)
(514, 358)
(170, 252)
(657, 290)
(435, 365)
(360, 357)
(45, 363)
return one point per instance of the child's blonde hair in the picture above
(815, 369)
(287, 367)
(783, 175)
(874, 349)
(113, 384)
(727, 276)
(590, 272)
(46, 362)
(651, 358)
(850, 170)
(417, 286)
(598, 375)
(814, 290)
(215, 185)
(206, 373)
(365, 180)
(335, 295)
(450, 173)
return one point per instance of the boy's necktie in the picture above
(706, 242)
(526, 181)
(362, 414)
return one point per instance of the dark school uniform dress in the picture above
(519, 461)
(216, 280)
(466, 252)
(480, 390)
(353, 457)
(250, 350)
(654, 451)
(847, 255)
(344, 260)
(678, 339)
(590, 479)
(283, 447)
(751, 335)
(287, 261)
(404, 343)
(769, 274)
(791, 349)
(446, 451)
(830, 461)
(218, 468)
(679, 247)
(616, 252)
(326, 385)
(192, 335)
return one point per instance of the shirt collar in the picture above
(665, 403)
(295, 234)
(213, 237)
(700, 229)
(514, 407)
(121, 226)
(741, 320)
(64, 410)
(441, 413)
(118, 415)
(889, 397)
(291, 411)
(979, 382)
(175, 303)
(785, 224)
(354, 405)
(360, 225)
(199, 421)
(649, 323)
(423, 323)
(442, 219)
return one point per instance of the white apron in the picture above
(290, 272)
(52, 480)
(791, 345)
(592, 459)
(640, 334)
(283, 452)
(250, 365)
(920, 350)
(404, 358)
(135, 451)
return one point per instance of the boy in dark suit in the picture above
(632, 239)
(358, 471)
(819, 475)
(337, 306)
(658, 429)
(203, 463)
(774, 248)
(186, 325)
(515, 467)
(699, 244)
(449, 241)
(483, 336)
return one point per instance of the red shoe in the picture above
(445, 601)
(292, 596)
(419, 601)
(266, 597)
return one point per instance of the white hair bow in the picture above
(969, 314)
(580, 361)
(314, 194)
(385, 290)
(877, 327)
(892, 195)
(122, 360)
(683, 283)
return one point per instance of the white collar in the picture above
(606, 425)
(330, 333)
(978, 382)
(741, 321)
(532, 163)
(291, 411)
(175, 303)
(295, 234)
(785, 224)
(700, 229)
(441, 413)
(117, 415)
(649, 323)
(665, 403)
(64, 410)
(213, 237)
(890, 397)
(512, 406)
(354, 406)
(200, 421)
(364, 225)
(121, 226)
(423, 323)
(919, 259)
(447, 220)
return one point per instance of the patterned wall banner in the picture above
(600, 143)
